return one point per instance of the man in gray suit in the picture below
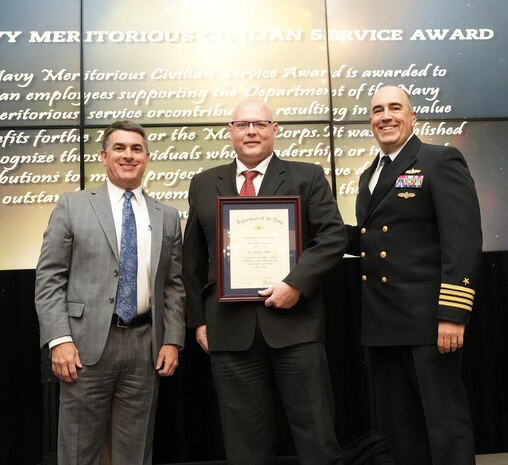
(108, 362)
(256, 345)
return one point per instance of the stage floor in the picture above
(492, 459)
(489, 459)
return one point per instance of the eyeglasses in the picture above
(244, 125)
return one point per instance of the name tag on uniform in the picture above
(406, 181)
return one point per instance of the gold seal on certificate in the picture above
(258, 242)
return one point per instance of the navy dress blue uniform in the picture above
(419, 238)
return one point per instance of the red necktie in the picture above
(248, 189)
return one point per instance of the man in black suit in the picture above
(281, 340)
(419, 238)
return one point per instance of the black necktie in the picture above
(385, 162)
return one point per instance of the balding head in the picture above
(253, 143)
(391, 118)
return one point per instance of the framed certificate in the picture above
(259, 240)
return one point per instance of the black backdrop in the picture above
(188, 427)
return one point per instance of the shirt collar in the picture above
(392, 155)
(116, 193)
(261, 168)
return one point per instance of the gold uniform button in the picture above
(362, 255)
(364, 278)
(382, 254)
(384, 279)
(385, 228)
(363, 230)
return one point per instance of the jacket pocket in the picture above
(75, 309)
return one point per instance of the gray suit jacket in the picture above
(77, 274)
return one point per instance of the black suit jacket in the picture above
(419, 238)
(231, 326)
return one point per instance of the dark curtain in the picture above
(21, 420)
(485, 365)
(188, 424)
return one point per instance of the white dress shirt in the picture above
(375, 176)
(144, 234)
(261, 169)
(144, 238)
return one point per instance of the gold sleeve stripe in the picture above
(456, 299)
(457, 293)
(453, 304)
(457, 288)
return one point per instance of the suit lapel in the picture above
(402, 162)
(102, 208)
(226, 180)
(156, 216)
(364, 195)
(274, 177)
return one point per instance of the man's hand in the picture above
(281, 295)
(202, 338)
(167, 360)
(450, 336)
(65, 362)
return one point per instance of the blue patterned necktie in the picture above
(127, 295)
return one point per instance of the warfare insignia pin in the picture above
(406, 195)
(413, 171)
